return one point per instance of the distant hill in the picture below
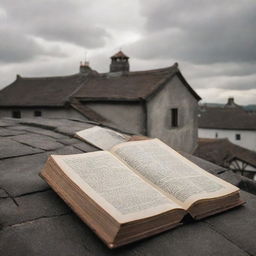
(212, 105)
(251, 107)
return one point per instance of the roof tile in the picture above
(226, 118)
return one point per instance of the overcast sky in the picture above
(213, 41)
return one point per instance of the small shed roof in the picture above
(222, 151)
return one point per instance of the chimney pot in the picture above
(84, 67)
(230, 101)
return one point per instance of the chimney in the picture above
(84, 67)
(230, 101)
(119, 63)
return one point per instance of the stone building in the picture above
(157, 103)
(230, 121)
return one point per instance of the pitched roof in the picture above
(119, 54)
(40, 91)
(128, 86)
(87, 112)
(222, 152)
(57, 91)
(226, 118)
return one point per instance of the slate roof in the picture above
(222, 152)
(40, 91)
(127, 86)
(34, 221)
(57, 91)
(226, 118)
(87, 111)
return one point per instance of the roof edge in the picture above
(160, 85)
(193, 92)
(44, 77)
(175, 71)
(142, 72)
(92, 99)
(235, 129)
(34, 106)
(87, 112)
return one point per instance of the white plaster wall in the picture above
(174, 95)
(248, 138)
(126, 116)
(46, 112)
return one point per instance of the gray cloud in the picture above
(241, 69)
(16, 47)
(199, 31)
(242, 83)
(57, 20)
(78, 34)
(213, 41)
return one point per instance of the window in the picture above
(238, 136)
(37, 113)
(174, 113)
(216, 135)
(16, 114)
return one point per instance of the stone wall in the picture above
(46, 113)
(174, 95)
(126, 116)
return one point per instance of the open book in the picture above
(136, 189)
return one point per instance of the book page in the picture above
(176, 176)
(102, 138)
(114, 186)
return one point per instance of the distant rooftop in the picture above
(222, 152)
(248, 107)
(230, 116)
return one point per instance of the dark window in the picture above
(37, 113)
(174, 112)
(238, 136)
(16, 114)
(216, 135)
